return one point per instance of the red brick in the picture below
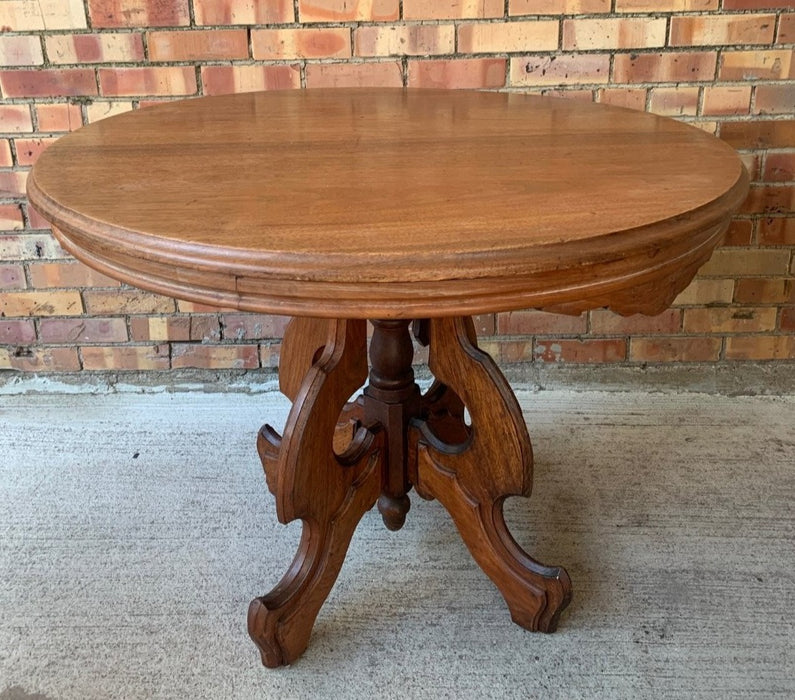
(138, 13)
(632, 98)
(585, 351)
(15, 119)
(674, 101)
(381, 74)
(604, 322)
(761, 133)
(223, 44)
(225, 12)
(37, 221)
(222, 80)
(12, 276)
(12, 183)
(215, 356)
(28, 150)
(126, 301)
(135, 357)
(83, 330)
(664, 67)
(348, 10)
(674, 349)
(21, 332)
(48, 82)
(565, 69)
(6, 159)
(67, 274)
(500, 37)
(758, 4)
(20, 50)
(740, 233)
(457, 73)
(776, 231)
(58, 117)
(716, 30)
(775, 99)
(769, 199)
(724, 100)
(10, 217)
(44, 360)
(533, 322)
(665, 5)
(786, 29)
(252, 326)
(589, 34)
(754, 290)
(206, 328)
(39, 15)
(556, 7)
(779, 167)
(774, 64)
(95, 48)
(452, 9)
(787, 322)
(172, 80)
(729, 319)
(159, 328)
(34, 303)
(764, 347)
(281, 44)
(404, 40)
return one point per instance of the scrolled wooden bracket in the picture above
(472, 479)
(327, 491)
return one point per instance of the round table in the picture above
(397, 206)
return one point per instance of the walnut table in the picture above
(338, 206)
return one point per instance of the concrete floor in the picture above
(134, 530)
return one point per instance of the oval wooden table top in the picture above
(384, 203)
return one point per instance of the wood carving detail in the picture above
(296, 465)
(338, 458)
(472, 479)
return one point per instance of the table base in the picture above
(337, 458)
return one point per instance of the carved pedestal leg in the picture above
(486, 463)
(337, 457)
(329, 492)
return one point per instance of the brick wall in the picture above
(725, 65)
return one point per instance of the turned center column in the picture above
(392, 398)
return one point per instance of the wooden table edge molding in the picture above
(595, 273)
(601, 207)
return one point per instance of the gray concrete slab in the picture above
(134, 530)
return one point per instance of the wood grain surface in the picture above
(387, 203)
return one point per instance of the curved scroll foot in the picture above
(280, 623)
(472, 479)
(535, 594)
